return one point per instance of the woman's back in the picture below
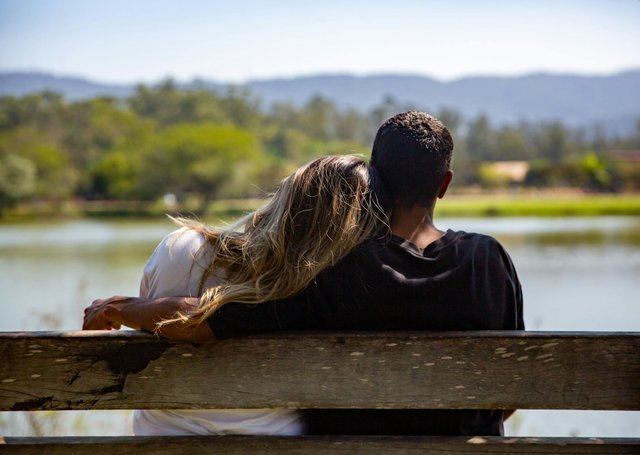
(175, 269)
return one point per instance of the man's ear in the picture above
(445, 183)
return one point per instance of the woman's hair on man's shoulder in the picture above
(317, 215)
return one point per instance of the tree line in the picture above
(205, 145)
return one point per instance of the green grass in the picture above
(490, 205)
(538, 205)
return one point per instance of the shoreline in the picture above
(483, 205)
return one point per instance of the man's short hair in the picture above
(411, 155)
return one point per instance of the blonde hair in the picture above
(316, 216)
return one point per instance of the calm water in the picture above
(577, 274)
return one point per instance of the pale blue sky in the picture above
(232, 41)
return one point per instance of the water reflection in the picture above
(554, 231)
(569, 267)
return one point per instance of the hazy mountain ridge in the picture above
(613, 101)
(73, 88)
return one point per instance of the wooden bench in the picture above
(395, 370)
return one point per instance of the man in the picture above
(416, 277)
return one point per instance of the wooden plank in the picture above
(394, 370)
(318, 445)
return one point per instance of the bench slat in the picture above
(318, 445)
(395, 370)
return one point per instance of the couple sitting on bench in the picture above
(341, 245)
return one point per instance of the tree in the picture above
(55, 178)
(159, 103)
(317, 118)
(511, 145)
(286, 144)
(598, 176)
(553, 142)
(352, 126)
(201, 159)
(93, 128)
(115, 176)
(38, 108)
(451, 119)
(17, 179)
(480, 140)
(387, 108)
(241, 107)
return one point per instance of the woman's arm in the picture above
(144, 314)
(174, 269)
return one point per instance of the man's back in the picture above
(460, 282)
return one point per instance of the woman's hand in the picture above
(96, 316)
(144, 314)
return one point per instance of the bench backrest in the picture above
(394, 370)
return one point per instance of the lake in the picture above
(577, 274)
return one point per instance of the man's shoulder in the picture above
(474, 238)
(450, 238)
(396, 253)
(486, 249)
(478, 244)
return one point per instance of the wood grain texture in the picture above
(394, 370)
(318, 445)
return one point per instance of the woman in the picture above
(316, 216)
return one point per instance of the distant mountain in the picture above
(73, 88)
(612, 101)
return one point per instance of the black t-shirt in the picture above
(462, 281)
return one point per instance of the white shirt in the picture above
(175, 269)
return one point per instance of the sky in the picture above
(124, 41)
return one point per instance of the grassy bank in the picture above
(477, 205)
(490, 205)
(539, 205)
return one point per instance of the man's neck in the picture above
(415, 224)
